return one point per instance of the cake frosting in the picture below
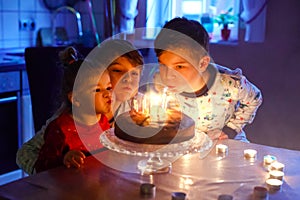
(137, 127)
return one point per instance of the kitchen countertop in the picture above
(12, 61)
(13, 66)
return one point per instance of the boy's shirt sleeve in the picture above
(249, 100)
(29, 152)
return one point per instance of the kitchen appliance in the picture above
(10, 119)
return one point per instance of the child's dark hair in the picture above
(180, 32)
(71, 61)
(123, 48)
(111, 49)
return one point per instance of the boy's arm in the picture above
(250, 99)
(28, 153)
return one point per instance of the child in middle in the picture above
(72, 135)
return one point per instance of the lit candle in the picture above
(164, 99)
(276, 166)
(275, 174)
(135, 105)
(274, 184)
(144, 105)
(221, 148)
(250, 153)
(156, 110)
(268, 159)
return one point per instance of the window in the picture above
(204, 11)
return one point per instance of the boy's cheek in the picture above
(164, 81)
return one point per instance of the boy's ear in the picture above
(203, 63)
(73, 100)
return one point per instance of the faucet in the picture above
(72, 10)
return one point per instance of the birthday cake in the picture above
(139, 128)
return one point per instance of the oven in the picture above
(10, 120)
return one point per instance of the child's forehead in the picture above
(96, 80)
(124, 62)
(179, 53)
(122, 59)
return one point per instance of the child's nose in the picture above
(127, 77)
(108, 94)
(170, 73)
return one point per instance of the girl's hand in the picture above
(74, 158)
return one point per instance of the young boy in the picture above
(214, 96)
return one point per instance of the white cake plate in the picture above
(156, 155)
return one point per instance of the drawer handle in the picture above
(8, 99)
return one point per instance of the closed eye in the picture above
(116, 70)
(179, 67)
(135, 73)
(99, 90)
(109, 88)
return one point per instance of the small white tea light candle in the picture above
(274, 184)
(268, 159)
(250, 153)
(275, 174)
(221, 148)
(277, 166)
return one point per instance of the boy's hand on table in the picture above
(223, 136)
(217, 134)
(74, 158)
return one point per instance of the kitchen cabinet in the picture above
(16, 124)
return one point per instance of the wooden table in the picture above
(199, 178)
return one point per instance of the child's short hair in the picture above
(182, 33)
(111, 49)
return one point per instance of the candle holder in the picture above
(221, 148)
(269, 159)
(274, 184)
(221, 151)
(178, 196)
(147, 189)
(260, 192)
(225, 197)
(275, 174)
(276, 166)
(250, 154)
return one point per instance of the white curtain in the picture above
(126, 11)
(158, 13)
(254, 15)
